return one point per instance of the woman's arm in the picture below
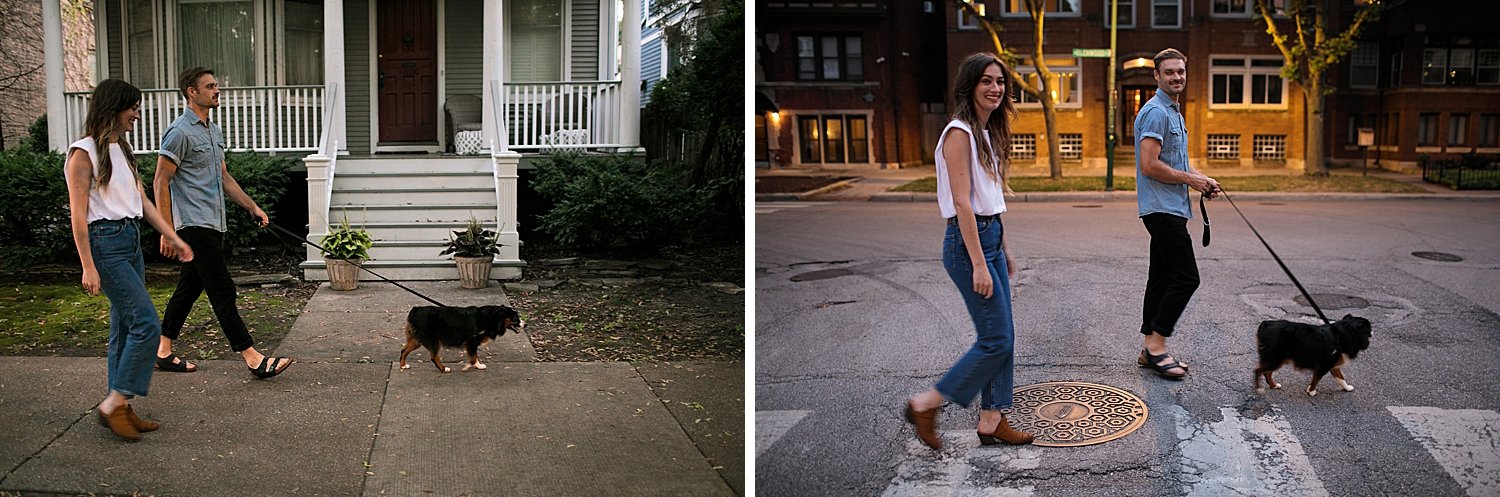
(957, 156)
(80, 176)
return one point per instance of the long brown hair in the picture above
(111, 97)
(994, 158)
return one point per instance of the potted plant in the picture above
(345, 246)
(474, 250)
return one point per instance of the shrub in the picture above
(347, 242)
(263, 177)
(615, 202)
(34, 222)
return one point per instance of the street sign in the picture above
(1094, 53)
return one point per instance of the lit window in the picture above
(833, 139)
(1065, 84)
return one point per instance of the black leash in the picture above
(1268, 249)
(356, 264)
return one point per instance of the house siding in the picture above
(651, 52)
(584, 42)
(357, 76)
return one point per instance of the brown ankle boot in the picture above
(1003, 432)
(119, 423)
(926, 424)
(141, 425)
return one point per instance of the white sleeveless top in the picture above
(120, 198)
(986, 196)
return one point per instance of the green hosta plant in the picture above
(473, 241)
(347, 242)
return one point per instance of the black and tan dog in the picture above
(1320, 349)
(469, 327)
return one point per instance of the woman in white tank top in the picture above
(105, 202)
(972, 170)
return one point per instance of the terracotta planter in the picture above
(474, 272)
(342, 275)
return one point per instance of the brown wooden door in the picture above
(1134, 98)
(406, 40)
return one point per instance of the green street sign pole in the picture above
(1109, 125)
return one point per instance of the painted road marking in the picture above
(769, 207)
(929, 473)
(770, 426)
(1240, 456)
(1463, 441)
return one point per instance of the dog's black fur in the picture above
(1321, 349)
(469, 327)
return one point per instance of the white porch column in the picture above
(494, 73)
(630, 76)
(333, 71)
(508, 263)
(52, 49)
(319, 173)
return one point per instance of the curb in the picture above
(1119, 196)
(793, 197)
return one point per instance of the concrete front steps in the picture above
(411, 206)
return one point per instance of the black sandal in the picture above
(172, 364)
(1162, 370)
(264, 370)
(1142, 361)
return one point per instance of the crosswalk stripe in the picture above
(1243, 456)
(929, 473)
(770, 426)
(1463, 441)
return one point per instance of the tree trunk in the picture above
(1044, 78)
(1314, 146)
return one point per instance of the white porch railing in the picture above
(554, 115)
(320, 173)
(262, 118)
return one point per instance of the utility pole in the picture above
(1109, 126)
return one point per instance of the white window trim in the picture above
(566, 72)
(261, 50)
(1154, 25)
(1048, 15)
(1250, 10)
(1247, 71)
(1132, 15)
(959, 12)
(795, 117)
(1026, 69)
(1477, 59)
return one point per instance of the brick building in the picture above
(847, 83)
(1426, 79)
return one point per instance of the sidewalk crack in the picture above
(44, 447)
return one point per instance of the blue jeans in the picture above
(134, 329)
(987, 368)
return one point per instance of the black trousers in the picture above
(1173, 276)
(206, 273)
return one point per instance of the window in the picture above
(1489, 130)
(1244, 8)
(1023, 147)
(1070, 146)
(967, 21)
(1126, 13)
(1396, 69)
(536, 37)
(304, 42)
(220, 35)
(1228, 78)
(1461, 66)
(1064, 83)
(1270, 147)
(1434, 66)
(1223, 147)
(1489, 68)
(762, 139)
(1458, 129)
(1427, 129)
(140, 43)
(830, 58)
(1353, 134)
(1364, 64)
(834, 139)
(1166, 13)
(1053, 7)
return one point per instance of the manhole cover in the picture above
(1334, 301)
(1438, 256)
(1087, 206)
(1070, 413)
(821, 275)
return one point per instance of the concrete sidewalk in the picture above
(345, 421)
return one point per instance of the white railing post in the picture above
(506, 164)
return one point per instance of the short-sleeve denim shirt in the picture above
(197, 147)
(1161, 118)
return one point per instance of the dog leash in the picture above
(1203, 210)
(1268, 249)
(356, 264)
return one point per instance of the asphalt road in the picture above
(835, 357)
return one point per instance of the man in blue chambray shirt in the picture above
(1162, 178)
(191, 182)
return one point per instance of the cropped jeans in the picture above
(988, 367)
(133, 326)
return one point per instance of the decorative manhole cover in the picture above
(1087, 206)
(1070, 413)
(822, 275)
(1438, 256)
(1334, 301)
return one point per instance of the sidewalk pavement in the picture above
(875, 185)
(345, 421)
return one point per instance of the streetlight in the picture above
(1109, 126)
